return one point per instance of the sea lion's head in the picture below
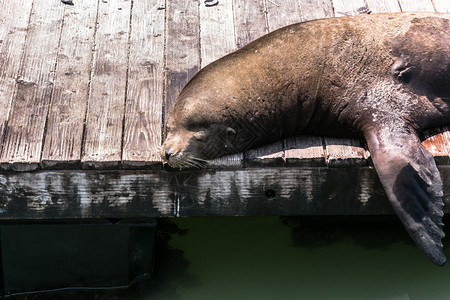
(196, 132)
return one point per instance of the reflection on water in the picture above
(285, 258)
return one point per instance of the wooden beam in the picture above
(247, 192)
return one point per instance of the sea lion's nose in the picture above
(167, 154)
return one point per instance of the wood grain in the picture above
(143, 117)
(304, 151)
(120, 194)
(346, 152)
(182, 48)
(349, 7)
(442, 5)
(216, 31)
(250, 21)
(64, 135)
(437, 143)
(282, 13)
(105, 115)
(250, 192)
(22, 144)
(13, 32)
(315, 9)
(416, 5)
(382, 6)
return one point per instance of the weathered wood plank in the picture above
(56, 195)
(315, 9)
(349, 8)
(416, 5)
(126, 194)
(250, 21)
(182, 48)
(346, 152)
(217, 39)
(282, 13)
(442, 5)
(24, 133)
(144, 103)
(105, 114)
(437, 143)
(216, 31)
(64, 135)
(381, 6)
(12, 39)
(304, 151)
(271, 155)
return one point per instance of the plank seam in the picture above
(434, 6)
(199, 36)
(164, 85)
(94, 49)
(126, 83)
(400, 5)
(332, 8)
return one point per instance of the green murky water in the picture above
(285, 258)
(300, 258)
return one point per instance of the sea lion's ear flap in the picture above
(412, 183)
(223, 128)
(230, 130)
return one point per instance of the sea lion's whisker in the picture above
(194, 163)
(199, 159)
(199, 163)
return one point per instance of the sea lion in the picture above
(384, 77)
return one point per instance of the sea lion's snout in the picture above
(166, 153)
(179, 152)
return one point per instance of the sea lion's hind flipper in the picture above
(413, 185)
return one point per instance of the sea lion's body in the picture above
(383, 77)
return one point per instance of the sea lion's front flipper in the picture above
(412, 183)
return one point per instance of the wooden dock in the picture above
(85, 90)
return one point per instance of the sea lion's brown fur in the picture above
(384, 77)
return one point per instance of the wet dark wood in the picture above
(250, 192)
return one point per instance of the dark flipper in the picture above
(413, 185)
